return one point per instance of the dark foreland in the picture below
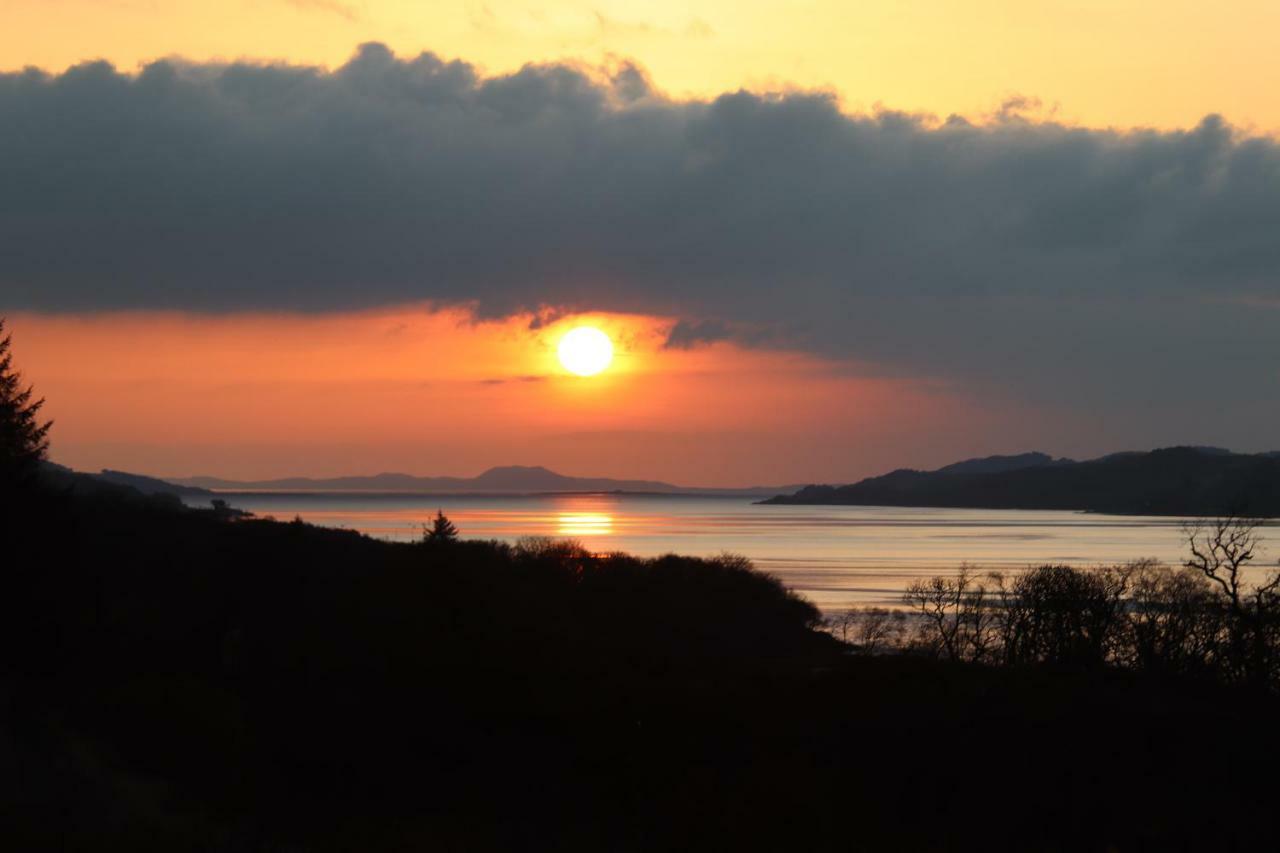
(1171, 481)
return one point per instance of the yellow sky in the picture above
(1125, 63)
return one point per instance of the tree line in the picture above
(1206, 617)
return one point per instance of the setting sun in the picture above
(585, 351)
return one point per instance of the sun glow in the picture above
(574, 524)
(585, 351)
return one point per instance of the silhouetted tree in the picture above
(957, 618)
(869, 629)
(1058, 614)
(441, 529)
(843, 624)
(1174, 621)
(557, 556)
(223, 511)
(24, 439)
(1220, 551)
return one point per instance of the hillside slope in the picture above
(1171, 481)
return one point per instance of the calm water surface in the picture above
(835, 556)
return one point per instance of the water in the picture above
(836, 556)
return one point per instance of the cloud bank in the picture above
(1057, 263)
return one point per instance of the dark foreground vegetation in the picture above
(1216, 617)
(1172, 481)
(177, 680)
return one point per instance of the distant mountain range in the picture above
(508, 479)
(1171, 481)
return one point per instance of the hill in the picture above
(1170, 481)
(116, 485)
(517, 479)
(507, 478)
(1001, 464)
(149, 485)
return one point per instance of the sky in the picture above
(1102, 63)
(261, 238)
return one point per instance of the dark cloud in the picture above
(692, 333)
(1021, 108)
(1049, 262)
(687, 334)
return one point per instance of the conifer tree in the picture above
(441, 529)
(24, 440)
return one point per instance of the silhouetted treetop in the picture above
(24, 439)
(441, 529)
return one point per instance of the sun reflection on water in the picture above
(574, 524)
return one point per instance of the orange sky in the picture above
(425, 392)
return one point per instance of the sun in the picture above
(585, 351)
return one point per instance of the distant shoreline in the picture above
(1268, 521)
(1189, 482)
(752, 497)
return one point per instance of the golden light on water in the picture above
(585, 351)
(575, 524)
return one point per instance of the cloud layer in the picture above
(1058, 264)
